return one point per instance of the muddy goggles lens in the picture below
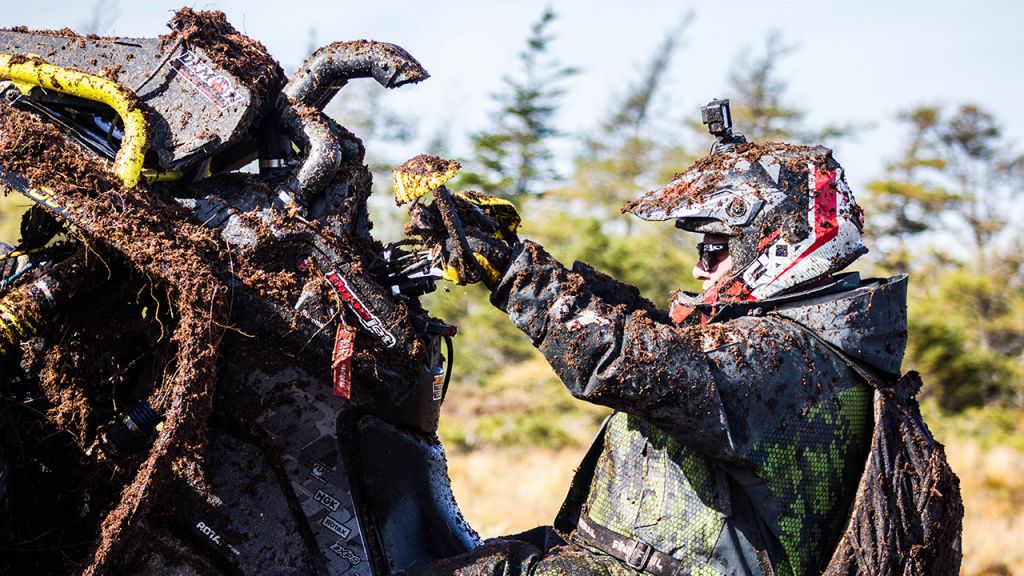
(709, 254)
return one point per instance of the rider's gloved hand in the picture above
(490, 253)
(489, 224)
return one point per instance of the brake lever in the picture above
(411, 274)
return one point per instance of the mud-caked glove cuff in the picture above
(489, 225)
(531, 280)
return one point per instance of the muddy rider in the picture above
(741, 420)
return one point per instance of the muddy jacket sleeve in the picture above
(715, 387)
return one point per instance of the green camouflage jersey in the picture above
(651, 487)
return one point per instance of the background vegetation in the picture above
(943, 210)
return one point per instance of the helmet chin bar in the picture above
(834, 241)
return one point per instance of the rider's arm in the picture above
(717, 387)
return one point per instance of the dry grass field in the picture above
(992, 483)
(504, 491)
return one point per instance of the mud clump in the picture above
(701, 179)
(23, 139)
(907, 489)
(420, 175)
(156, 240)
(111, 73)
(245, 58)
(168, 317)
(280, 286)
(87, 378)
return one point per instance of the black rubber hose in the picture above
(310, 129)
(448, 369)
(328, 70)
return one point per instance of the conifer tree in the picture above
(951, 194)
(513, 158)
(629, 151)
(760, 107)
(907, 200)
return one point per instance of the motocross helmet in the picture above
(789, 214)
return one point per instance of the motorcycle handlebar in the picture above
(26, 73)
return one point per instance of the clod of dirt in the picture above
(246, 59)
(155, 237)
(421, 175)
(703, 176)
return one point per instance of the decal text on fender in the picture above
(217, 87)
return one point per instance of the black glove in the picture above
(489, 225)
(490, 253)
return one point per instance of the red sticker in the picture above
(680, 312)
(341, 360)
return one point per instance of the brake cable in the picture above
(450, 363)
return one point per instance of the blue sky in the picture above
(854, 62)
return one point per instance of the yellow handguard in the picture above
(26, 73)
(422, 175)
(503, 211)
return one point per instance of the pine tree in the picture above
(760, 108)
(514, 158)
(986, 178)
(953, 191)
(955, 169)
(629, 153)
(907, 200)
